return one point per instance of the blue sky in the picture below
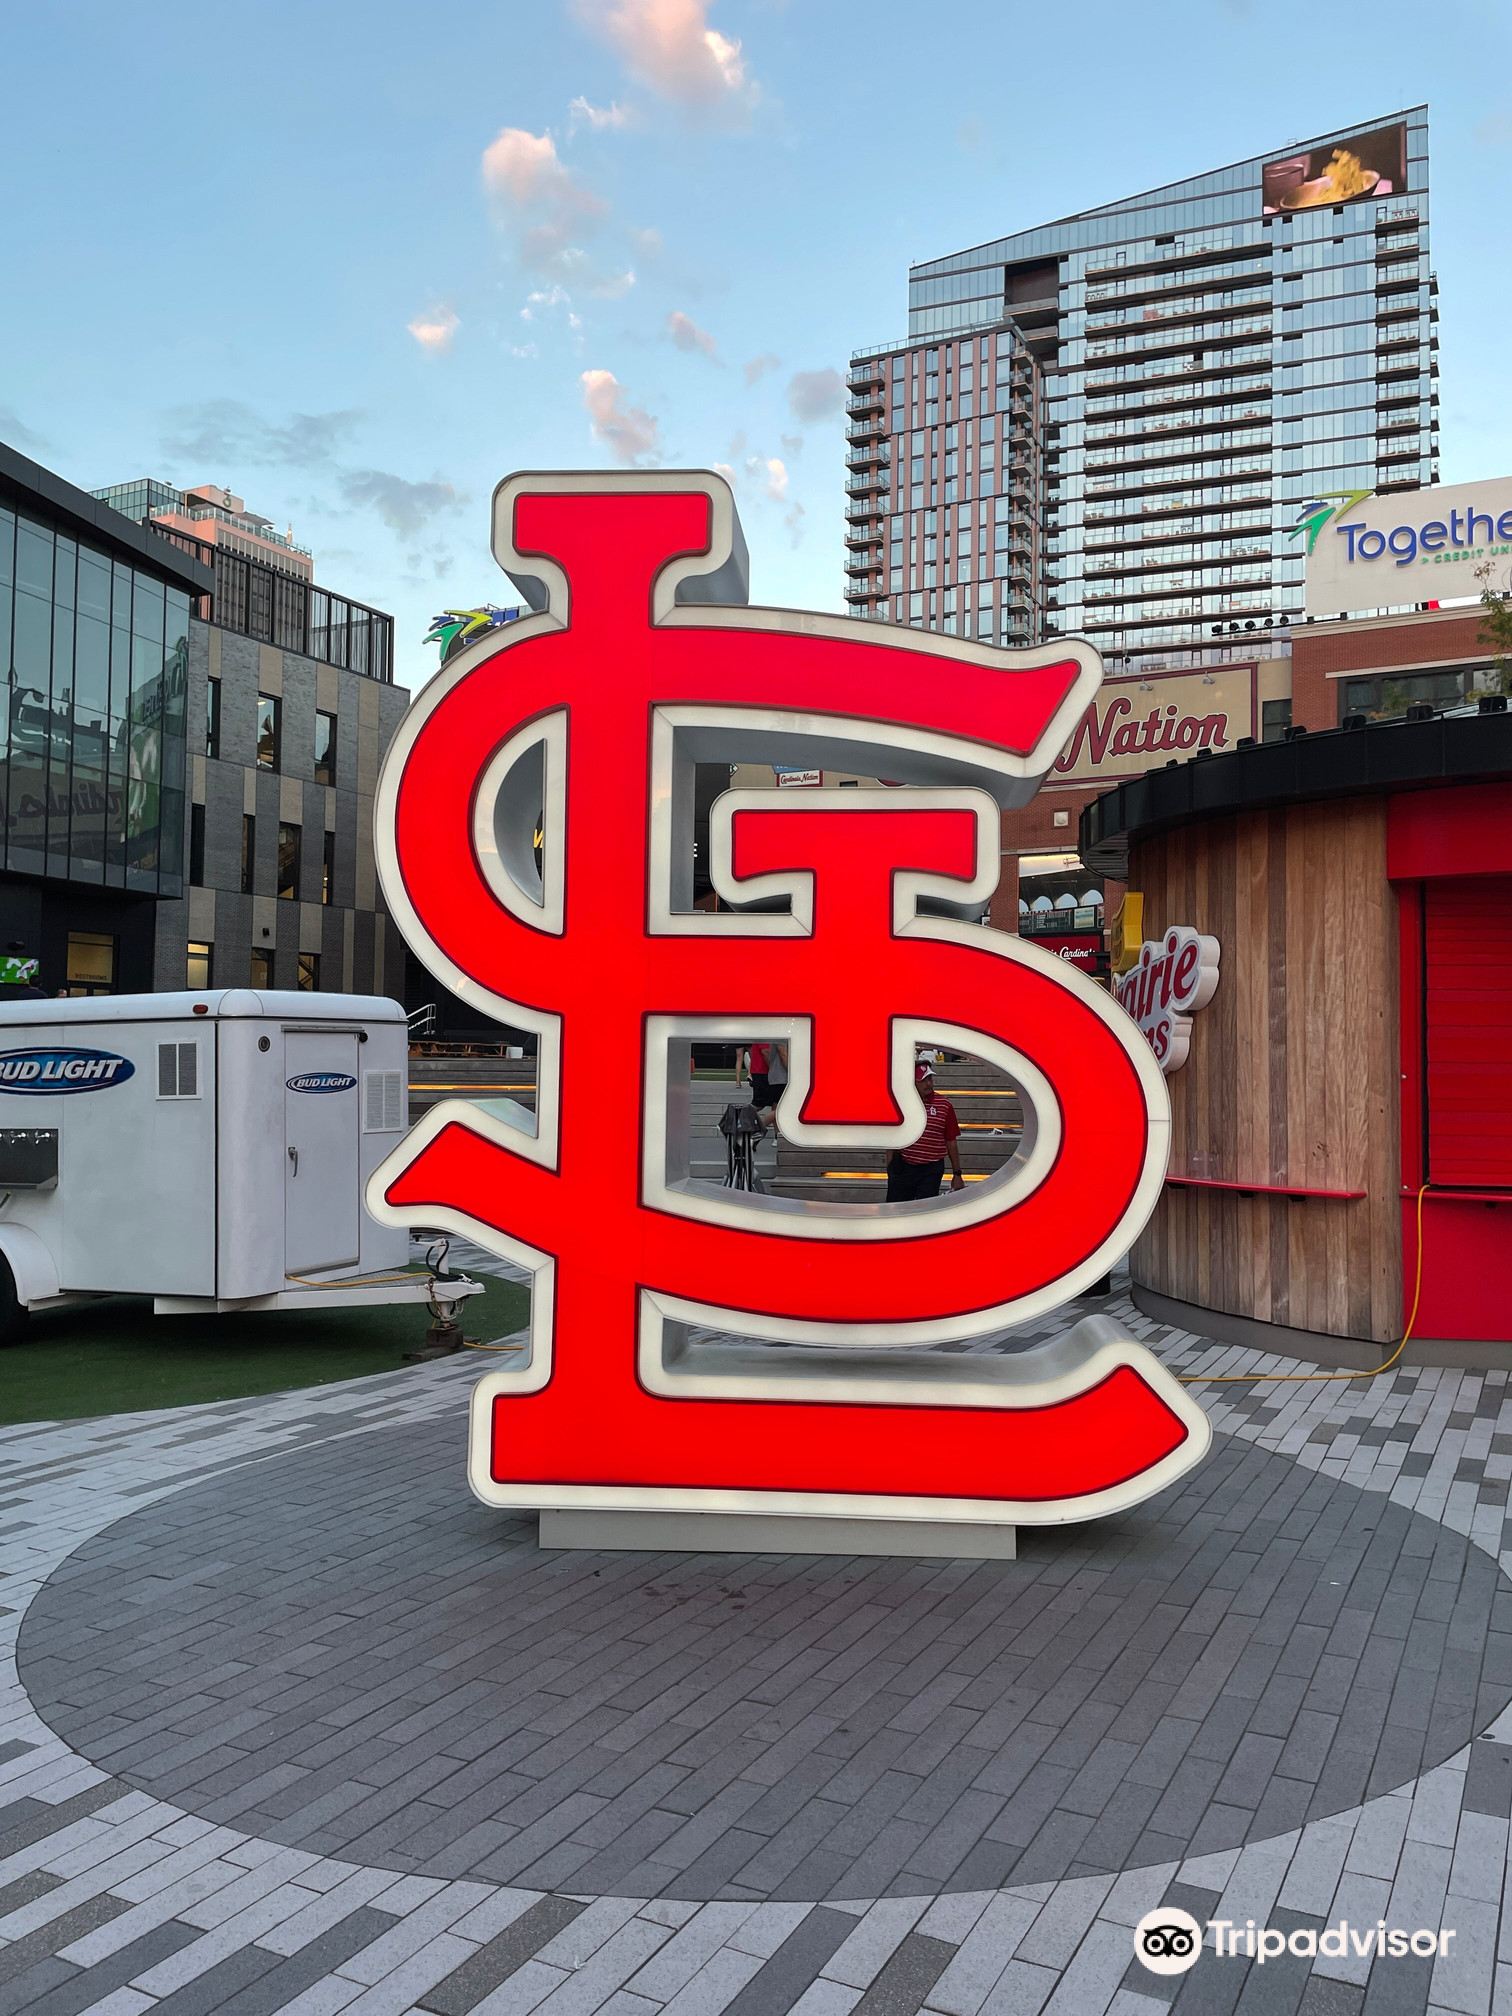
(359, 261)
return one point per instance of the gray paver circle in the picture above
(339, 1649)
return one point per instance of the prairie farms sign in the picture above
(1136, 725)
(1173, 978)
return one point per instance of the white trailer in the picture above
(207, 1149)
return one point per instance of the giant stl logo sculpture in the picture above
(698, 1348)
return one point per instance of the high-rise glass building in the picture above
(1111, 425)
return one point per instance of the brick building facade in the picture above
(1381, 665)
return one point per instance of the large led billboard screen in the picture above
(1340, 171)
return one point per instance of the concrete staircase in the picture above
(433, 1078)
(985, 1102)
(986, 1106)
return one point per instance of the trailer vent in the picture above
(178, 1070)
(382, 1102)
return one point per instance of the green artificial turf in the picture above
(114, 1356)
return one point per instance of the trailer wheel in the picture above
(13, 1311)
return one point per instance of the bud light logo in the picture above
(55, 1071)
(321, 1081)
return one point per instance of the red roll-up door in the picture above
(1468, 944)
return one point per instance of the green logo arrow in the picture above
(1318, 513)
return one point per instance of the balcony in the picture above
(867, 481)
(865, 453)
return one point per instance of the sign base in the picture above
(605, 1531)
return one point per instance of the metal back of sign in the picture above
(846, 935)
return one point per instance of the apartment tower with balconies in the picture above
(1111, 426)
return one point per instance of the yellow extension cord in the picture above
(1305, 1378)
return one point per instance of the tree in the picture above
(1496, 626)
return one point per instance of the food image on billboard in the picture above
(1366, 164)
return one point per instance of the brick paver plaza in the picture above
(289, 1722)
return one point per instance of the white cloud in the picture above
(601, 118)
(529, 182)
(613, 286)
(815, 395)
(545, 298)
(524, 349)
(724, 469)
(687, 335)
(630, 433)
(759, 367)
(669, 46)
(647, 240)
(523, 167)
(771, 472)
(434, 329)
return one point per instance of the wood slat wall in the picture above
(1293, 1072)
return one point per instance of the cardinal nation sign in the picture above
(1134, 725)
(698, 1348)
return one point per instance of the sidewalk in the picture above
(299, 1726)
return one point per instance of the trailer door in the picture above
(322, 1171)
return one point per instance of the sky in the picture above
(358, 260)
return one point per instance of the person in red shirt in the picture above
(768, 1078)
(915, 1171)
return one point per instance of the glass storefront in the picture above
(92, 734)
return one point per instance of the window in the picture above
(262, 969)
(249, 854)
(197, 844)
(1275, 719)
(288, 861)
(328, 870)
(212, 717)
(269, 731)
(197, 974)
(91, 963)
(178, 1069)
(325, 748)
(309, 972)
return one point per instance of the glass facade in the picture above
(1204, 361)
(92, 764)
